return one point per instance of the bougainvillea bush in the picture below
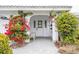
(67, 25)
(4, 45)
(17, 30)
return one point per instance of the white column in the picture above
(54, 31)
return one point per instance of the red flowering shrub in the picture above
(17, 29)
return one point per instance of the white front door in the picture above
(41, 27)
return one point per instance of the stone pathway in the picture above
(39, 46)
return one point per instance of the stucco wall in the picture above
(54, 31)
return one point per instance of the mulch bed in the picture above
(67, 49)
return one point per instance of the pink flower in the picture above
(8, 32)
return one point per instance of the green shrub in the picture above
(67, 27)
(4, 45)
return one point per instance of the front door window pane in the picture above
(34, 24)
(45, 24)
(40, 24)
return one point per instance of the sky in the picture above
(73, 3)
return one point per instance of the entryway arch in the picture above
(40, 26)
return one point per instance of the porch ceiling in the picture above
(35, 8)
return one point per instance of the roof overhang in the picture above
(36, 8)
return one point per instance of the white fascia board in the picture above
(35, 8)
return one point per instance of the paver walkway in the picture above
(38, 46)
